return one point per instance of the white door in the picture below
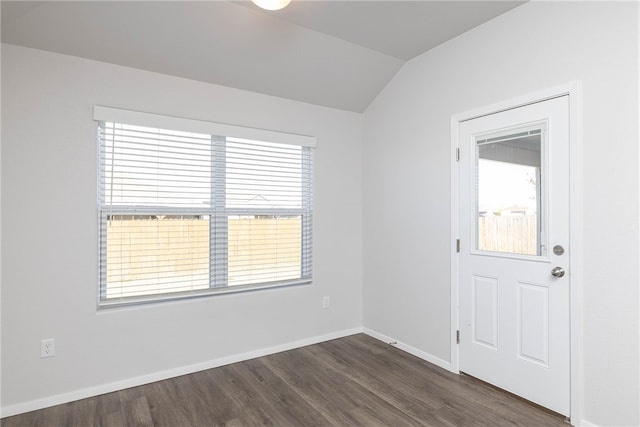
(514, 254)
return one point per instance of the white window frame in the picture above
(218, 220)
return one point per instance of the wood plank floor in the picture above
(352, 381)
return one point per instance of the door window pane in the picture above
(509, 173)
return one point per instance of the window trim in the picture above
(216, 130)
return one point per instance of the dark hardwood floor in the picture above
(352, 381)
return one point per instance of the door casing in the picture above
(573, 90)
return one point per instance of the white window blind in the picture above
(188, 213)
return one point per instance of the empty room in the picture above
(319, 212)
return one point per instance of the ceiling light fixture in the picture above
(271, 4)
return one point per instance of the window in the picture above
(190, 208)
(510, 197)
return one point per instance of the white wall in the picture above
(407, 180)
(49, 242)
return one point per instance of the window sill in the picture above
(153, 299)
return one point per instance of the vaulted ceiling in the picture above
(337, 54)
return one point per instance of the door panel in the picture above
(485, 310)
(514, 206)
(533, 321)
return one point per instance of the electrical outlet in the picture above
(325, 302)
(47, 348)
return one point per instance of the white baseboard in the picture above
(409, 349)
(585, 423)
(58, 399)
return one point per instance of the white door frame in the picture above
(573, 90)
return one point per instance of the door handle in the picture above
(557, 272)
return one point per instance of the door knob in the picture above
(557, 272)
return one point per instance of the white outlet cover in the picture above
(47, 348)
